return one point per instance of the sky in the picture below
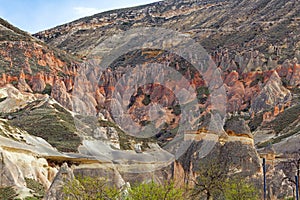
(37, 15)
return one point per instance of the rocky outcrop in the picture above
(32, 57)
(235, 92)
(21, 158)
(64, 175)
(59, 93)
(30, 64)
(272, 94)
(14, 99)
(238, 126)
(22, 85)
(295, 77)
(38, 82)
(241, 157)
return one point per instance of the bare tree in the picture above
(211, 179)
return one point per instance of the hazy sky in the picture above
(37, 15)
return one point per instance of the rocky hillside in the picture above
(271, 27)
(57, 104)
(30, 64)
(257, 51)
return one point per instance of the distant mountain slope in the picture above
(34, 66)
(19, 51)
(235, 24)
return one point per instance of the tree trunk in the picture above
(298, 173)
(208, 196)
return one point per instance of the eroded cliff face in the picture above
(255, 84)
(22, 160)
(254, 95)
(32, 66)
(46, 94)
(248, 56)
(245, 161)
(25, 156)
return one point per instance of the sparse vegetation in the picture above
(7, 193)
(211, 179)
(47, 89)
(32, 198)
(146, 101)
(13, 28)
(52, 123)
(97, 188)
(285, 118)
(36, 187)
(216, 181)
(280, 123)
(256, 121)
(89, 188)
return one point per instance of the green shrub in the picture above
(202, 94)
(240, 189)
(47, 89)
(146, 101)
(89, 188)
(32, 198)
(176, 110)
(289, 198)
(154, 191)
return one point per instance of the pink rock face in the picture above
(284, 71)
(10, 79)
(231, 78)
(100, 98)
(22, 85)
(295, 78)
(3, 80)
(38, 82)
(47, 58)
(60, 94)
(235, 95)
(271, 115)
(49, 79)
(273, 93)
(69, 84)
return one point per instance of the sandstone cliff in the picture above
(57, 107)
